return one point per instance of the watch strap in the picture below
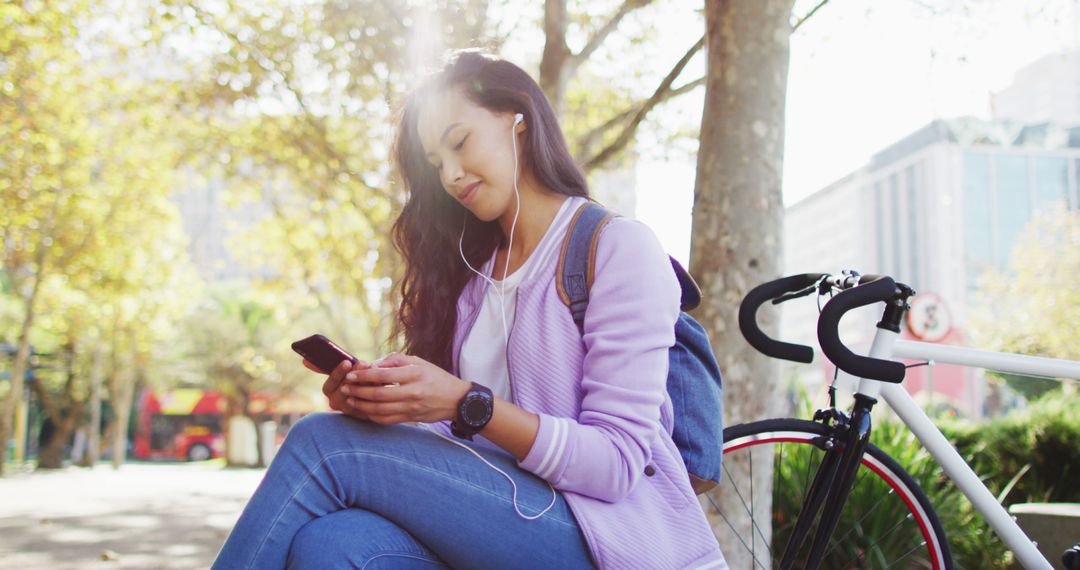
(464, 427)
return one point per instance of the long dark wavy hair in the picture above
(426, 232)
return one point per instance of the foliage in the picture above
(1030, 455)
(1027, 456)
(91, 245)
(297, 107)
(1032, 309)
(107, 109)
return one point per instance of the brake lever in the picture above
(795, 294)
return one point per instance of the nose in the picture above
(451, 173)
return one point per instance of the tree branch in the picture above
(600, 35)
(593, 135)
(308, 118)
(802, 20)
(662, 92)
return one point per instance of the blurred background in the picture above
(186, 187)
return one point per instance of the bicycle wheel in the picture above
(887, 522)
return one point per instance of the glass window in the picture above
(912, 226)
(879, 222)
(1074, 192)
(1013, 204)
(978, 240)
(1051, 182)
(894, 204)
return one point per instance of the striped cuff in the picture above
(545, 457)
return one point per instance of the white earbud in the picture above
(518, 117)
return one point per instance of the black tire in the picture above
(887, 522)
(199, 452)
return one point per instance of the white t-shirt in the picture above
(483, 353)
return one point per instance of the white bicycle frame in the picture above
(887, 345)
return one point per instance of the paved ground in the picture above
(159, 516)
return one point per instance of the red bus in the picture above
(189, 423)
(186, 423)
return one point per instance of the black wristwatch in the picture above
(473, 412)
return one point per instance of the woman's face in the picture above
(471, 149)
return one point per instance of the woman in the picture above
(569, 465)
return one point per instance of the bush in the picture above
(1032, 455)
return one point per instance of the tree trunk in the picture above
(51, 455)
(554, 69)
(22, 362)
(737, 219)
(93, 444)
(246, 394)
(65, 411)
(122, 391)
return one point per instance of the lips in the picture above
(469, 191)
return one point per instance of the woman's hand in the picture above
(335, 398)
(400, 388)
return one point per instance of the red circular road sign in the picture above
(929, 319)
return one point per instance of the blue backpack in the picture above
(693, 381)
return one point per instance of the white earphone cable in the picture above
(554, 496)
(501, 291)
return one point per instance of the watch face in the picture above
(477, 410)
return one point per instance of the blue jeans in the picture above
(347, 493)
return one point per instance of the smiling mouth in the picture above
(468, 193)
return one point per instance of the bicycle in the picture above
(832, 458)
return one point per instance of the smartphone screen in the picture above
(322, 352)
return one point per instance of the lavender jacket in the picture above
(605, 417)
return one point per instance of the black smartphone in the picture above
(322, 352)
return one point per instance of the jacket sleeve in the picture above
(629, 327)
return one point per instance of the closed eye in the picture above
(462, 143)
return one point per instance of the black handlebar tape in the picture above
(748, 317)
(882, 289)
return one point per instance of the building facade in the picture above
(935, 210)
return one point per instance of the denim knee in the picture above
(317, 424)
(355, 538)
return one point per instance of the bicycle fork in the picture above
(831, 486)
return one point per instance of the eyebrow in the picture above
(443, 137)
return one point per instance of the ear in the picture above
(520, 128)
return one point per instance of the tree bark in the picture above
(51, 455)
(737, 218)
(122, 391)
(93, 444)
(553, 63)
(22, 363)
(248, 394)
(65, 412)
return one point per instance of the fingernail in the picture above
(345, 390)
(350, 376)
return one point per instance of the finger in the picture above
(378, 409)
(312, 367)
(334, 379)
(339, 371)
(380, 376)
(387, 393)
(339, 403)
(396, 359)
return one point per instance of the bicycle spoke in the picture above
(856, 524)
(753, 519)
(887, 533)
(733, 530)
(876, 513)
(908, 553)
